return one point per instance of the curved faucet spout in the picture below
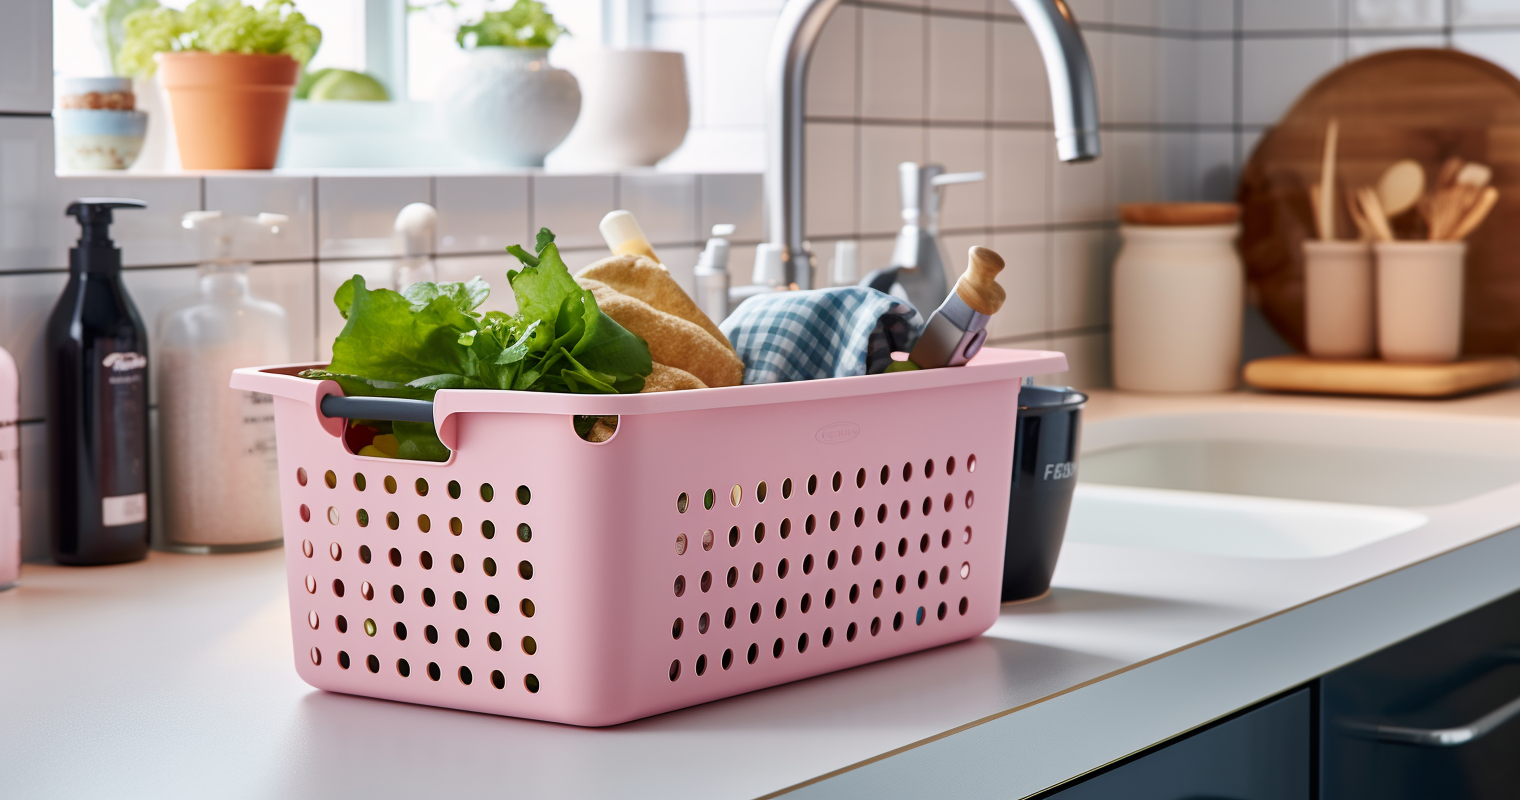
(1073, 97)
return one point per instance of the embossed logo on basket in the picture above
(837, 432)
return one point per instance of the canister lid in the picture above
(1170, 214)
(1039, 398)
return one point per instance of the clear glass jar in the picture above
(220, 477)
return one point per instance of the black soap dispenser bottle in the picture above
(97, 394)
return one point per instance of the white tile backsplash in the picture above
(962, 150)
(26, 303)
(573, 206)
(30, 216)
(1293, 15)
(252, 194)
(958, 69)
(882, 149)
(829, 204)
(148, 236)
(1083, 192)
(732, 199)
(1358, 46)
(1087, 356)
(481, 213)
(1484, 12)
(356, 216)
(1019, 184)
(1501, 47)
(832, 75)
(893, 64)
(26, 57)
(664, 204)
(1137, 90)
(1384, 14)
(1276, 71)
(1020, 91)
(1080, 263)
(734, 69)
(1026, 279)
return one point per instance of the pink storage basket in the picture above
(722, 541)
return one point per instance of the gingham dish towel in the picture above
(820, 333)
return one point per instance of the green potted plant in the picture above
(229, 70)
(506, 105)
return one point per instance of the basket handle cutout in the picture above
(388, 409)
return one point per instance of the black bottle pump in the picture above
(97, 394)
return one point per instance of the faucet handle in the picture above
(957, 177)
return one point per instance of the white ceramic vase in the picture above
(507, 107)
(1178, 304)
(637, 109)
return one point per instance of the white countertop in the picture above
(173, 677)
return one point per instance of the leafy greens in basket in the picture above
(430, 336)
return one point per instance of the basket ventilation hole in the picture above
(964, 604)
(707, 539)
(834, 521)
(343, 659)
(828, 636)
(760, 492)
(370, 628)
(728, 658)
(928, 506)
(703, 622)
(971, 463)
(897, 621)
(754, 613)
(493, 641)
(902, 583)
(904, 510)
(806, 603)
(493, 605)
(397, 593)
(682, 501)
(907, 472)
(423, 523)
(524, 496)
(881, 513)
(965, 537)
(488, 566)
(733, 536)
(393, 520)
(855, 556)
(460, 601)
(456, 526)
(902, 547)
(341, 623)
(677, 628)
(810, 525)
(876, 589)
(332, 515)
(526, 606)
(487, 493)
(777, 648)
(923, 578)
(428, 598)
(728, 618)
(434, 673)
(680, 544)
(781, 608)
(395, 556)
(313, 620)
(399, 629)
(875, 625)
(331, 479)
(949, 502)
(854, 592)
(305, 513)
(708, 498)
(455, 489)
(812, 484)
(942, 611)
(758, 572)
(965, 570)
(833, 559)
(706, 582)
(464, 676)
(366, 591)
(675, 669)
(422, 487)
(372, 663)
(929, 468)
(462, 637)
(786, 489)
(337, 586)
(838, 480)
(701, 665)
(950, 465)
(498, 680)
(828, 601)
(359, 482)
(860, 478)
(301, 476)
(362, 517)
(733, 577)
(881, 550)
(944, 574)
(736, 495)
(786, 527)
(849, 633)
(970, 499)
(753, 654)
(457, 562)
(807, 564)
(390, 484)
(918, 618)
(886, 474)
(923, 543)
(524, 532)
(782, 568)
(860, 516)
(316, 657)
(529, 645)
(425, 559)
(525, 570)
(431, 634)
(530, 682)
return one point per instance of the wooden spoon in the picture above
(1401, 186)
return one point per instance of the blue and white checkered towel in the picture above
(820, 333)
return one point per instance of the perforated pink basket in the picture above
(722, 541)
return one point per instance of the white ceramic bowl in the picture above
(90, 138)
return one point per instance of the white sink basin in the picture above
(1229, 525)
(1280, 485)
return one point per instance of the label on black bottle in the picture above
(123, 400)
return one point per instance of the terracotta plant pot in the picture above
(229, 108)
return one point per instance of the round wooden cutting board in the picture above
(1426, 105)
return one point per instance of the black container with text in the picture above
(97, 395)
(1044, 478)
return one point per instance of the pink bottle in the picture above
(10, 474)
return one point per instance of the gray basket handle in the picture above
(391, 409)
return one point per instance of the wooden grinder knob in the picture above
(978, 287)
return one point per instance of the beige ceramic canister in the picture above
(1178, 298)
(10, 473)
(1338, 299)
(1419, 300)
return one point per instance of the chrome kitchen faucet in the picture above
(1073, 97)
